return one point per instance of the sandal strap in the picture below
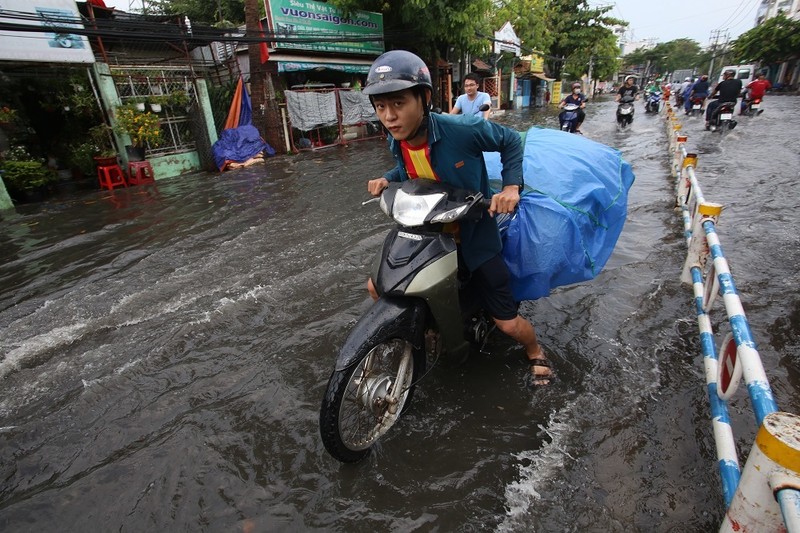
(539, 361)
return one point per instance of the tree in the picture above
(601, 55)
(576, 28)
(202, 11)
(528, 17)
(427, 27)
(669, 56)
(774, 41)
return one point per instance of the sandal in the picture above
(541, 379)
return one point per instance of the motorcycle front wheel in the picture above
(362, 402)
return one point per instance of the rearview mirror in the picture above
(484, 107)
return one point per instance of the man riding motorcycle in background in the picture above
(728, 90)
(698, 90)
(683, 91)
(756, 90)
(579, 99)
(627, 89)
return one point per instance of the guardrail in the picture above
(765, 496)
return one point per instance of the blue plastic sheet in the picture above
(239, 144)
(240, 140)
(570, 215)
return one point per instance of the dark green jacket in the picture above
(457, 143)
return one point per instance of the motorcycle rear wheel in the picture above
(360, 403)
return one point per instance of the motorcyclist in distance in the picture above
(578, 98)
(683, 91)
(698, 90)
(728, 90)
(628, 89)
(756, 89)
(654, 86)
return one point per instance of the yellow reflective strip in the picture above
(777, 438)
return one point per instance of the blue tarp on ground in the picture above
(239, 145)
(240, 140)
(570, 215)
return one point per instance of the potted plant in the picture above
(157, 101)
(178, 98)
(26, 178)
(143, 128)
(136, 102)
(7, 115)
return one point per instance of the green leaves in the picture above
(774, 41)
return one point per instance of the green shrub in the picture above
(29, 174)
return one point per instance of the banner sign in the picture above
(57, 46)
(324, 27)
(506, 40)
(296, 66)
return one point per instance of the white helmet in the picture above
(688, 79)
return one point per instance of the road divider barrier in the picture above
(765, 495)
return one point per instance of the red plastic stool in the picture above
(110, 176)
(140, 172)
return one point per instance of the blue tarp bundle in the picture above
(239, 145)
(240, 140)
(571, 214)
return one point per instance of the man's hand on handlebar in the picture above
(505, 201)
(375, 187)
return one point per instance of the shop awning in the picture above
(294, 63)
(481, 65)
(541, 76)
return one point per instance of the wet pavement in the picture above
(164, 351)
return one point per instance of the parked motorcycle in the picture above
(425, 311)
(722, 117)
(653, 102)
(568, 118)
(625, 112)
(753, 107)
(697, 105)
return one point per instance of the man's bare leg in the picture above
(522, 331)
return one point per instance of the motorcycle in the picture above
(653, 102)
(697, 105)
(625, 112)
(568, 118)
(425, 310)
(753, 107)
(722, 117)
(678, 99)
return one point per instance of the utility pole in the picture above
(716, 35)
(266, 114)
(589, 91)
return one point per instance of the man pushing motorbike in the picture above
(449, 148)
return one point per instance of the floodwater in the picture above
(164, 351)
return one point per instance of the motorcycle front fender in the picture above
(387, 318)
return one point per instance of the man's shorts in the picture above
(492, 281)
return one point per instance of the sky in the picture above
(666, 20)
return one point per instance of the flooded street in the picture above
(164, 351)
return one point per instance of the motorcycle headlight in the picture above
(411, 210)
(449, 216)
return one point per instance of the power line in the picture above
(735, 12)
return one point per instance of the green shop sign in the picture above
(308, 25)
